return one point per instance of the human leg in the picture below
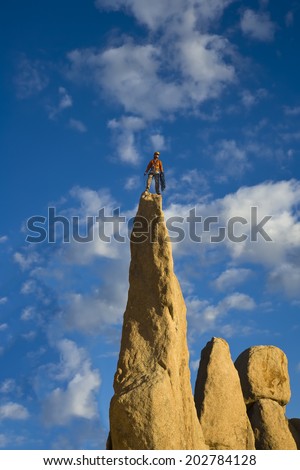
(149, 179)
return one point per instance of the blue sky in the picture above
(88, 92)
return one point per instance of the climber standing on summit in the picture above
(155, 169)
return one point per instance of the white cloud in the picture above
(152, 14)
(141, 77)
(26, 261)
(30, 79)
(3, 326)
(3, 239)
(124, 131)
(13, 411)
(104, 302)
(292, 110)
(88, 204)
(258, 25)
(201, 60)
(193, 181)
(7, 386)
(290, 136)
(129, 75)
(3, 300)
(276, 199)
(230, 278)
(102, 307)
(72, 359)
(250, 98)
(65, 101)
(231, 160)
(157, 14)
(77, 398)
(158, 142)
(286, 278)
(30, 335)
(237, 301)
(131, 182)
(28, 313)
(77, 125)
(203, 316)
(289, 19)
(28, 287)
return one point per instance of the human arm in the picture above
(149, 166)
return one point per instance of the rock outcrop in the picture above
(263, 372)
(270, 426)
(237, 406)
(153, 405)
(219, 400)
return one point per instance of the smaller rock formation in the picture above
(263, 372)
(219, 400)
(270, 426)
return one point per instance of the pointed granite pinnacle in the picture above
(153, 406)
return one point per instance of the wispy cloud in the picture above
(158, 142)
(31, 78)
(13, 411)
(7, 386)
(77, 398)
(232, 159)
(251, 98)
(157, 14)
(292, 110)
(28, 313)
(289, 19)
(27, 259)
(65, 101)
(203, 316)
(231, 277)
(141, 79)
(77, 125)
(124, 136)
(131, 182)
(258, 25)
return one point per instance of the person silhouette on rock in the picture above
(154, 170)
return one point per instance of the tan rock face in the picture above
(219, 400)
(263, 372)
(153, 406)
(270, 426)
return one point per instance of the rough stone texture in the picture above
(219, 400)
(294, 425)
(153, 405)
(263, 372)
(270, 426)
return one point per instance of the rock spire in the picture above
(153, 406)
(219, 400)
